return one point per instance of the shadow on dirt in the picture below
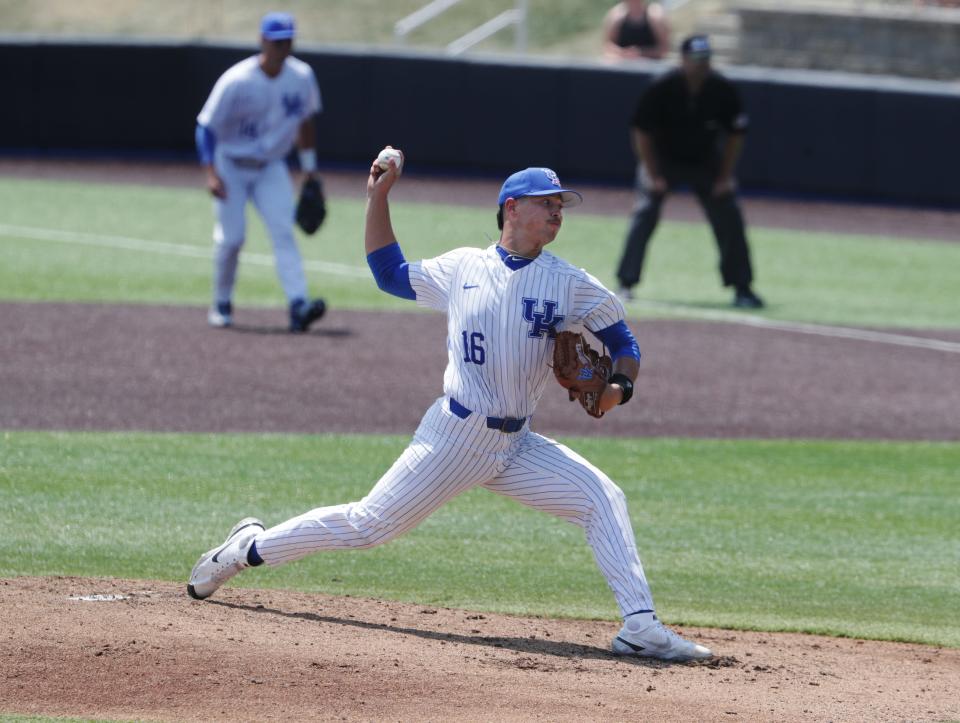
(283, 331)
(536, 646)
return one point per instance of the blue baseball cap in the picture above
(277, 26)
(537, 182)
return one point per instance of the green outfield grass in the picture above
(151, 245)
(842, 538)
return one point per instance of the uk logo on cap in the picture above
(537, 182)
(551, 176)
(277, 26)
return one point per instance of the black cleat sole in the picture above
(193, 593)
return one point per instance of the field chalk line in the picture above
(799, 327)
(172, 249)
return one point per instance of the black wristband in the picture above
(623, 381)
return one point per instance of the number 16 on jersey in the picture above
(473, 350)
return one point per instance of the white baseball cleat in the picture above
(220, 316)
(224, 561)
(646, 637)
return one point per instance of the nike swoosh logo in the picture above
(227, 543)
(217, 553)
(471, 286)
(633, 646)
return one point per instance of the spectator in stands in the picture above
(636, 29)
(688, 129)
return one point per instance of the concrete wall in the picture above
(905, 41)
(812, 133)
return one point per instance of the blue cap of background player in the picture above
(537, 182)
(277, 26)
(696, 47)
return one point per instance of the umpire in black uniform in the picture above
(676, 132)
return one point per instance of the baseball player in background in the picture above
(256, 111)
(504, 305)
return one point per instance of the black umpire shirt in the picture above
(686, 127)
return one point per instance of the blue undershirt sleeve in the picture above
(620, 341)
(206, 142)
(391, 271)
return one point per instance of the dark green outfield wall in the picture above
(857, 136)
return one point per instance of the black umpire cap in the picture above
(696, 46)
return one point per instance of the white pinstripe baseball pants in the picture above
(449, 455)
(271, 190)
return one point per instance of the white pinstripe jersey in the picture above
(255, 116)
(501, 322)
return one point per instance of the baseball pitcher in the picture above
(506, 305)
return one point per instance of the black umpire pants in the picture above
(723, 213)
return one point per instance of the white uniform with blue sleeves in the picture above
(511, 316)
(255, 119)
(502, 316)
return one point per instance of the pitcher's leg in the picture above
(423, 478)
(550, 477)
(430, 471)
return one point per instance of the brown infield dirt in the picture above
(140, 649)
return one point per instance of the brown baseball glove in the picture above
(581, 370)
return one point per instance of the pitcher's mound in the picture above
(137, 649)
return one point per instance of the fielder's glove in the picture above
(581, 370)
(312, 206)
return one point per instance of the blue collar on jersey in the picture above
(513, 261)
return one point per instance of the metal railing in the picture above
(516, 16)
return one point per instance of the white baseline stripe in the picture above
(135, 244)
(161, 247)
(798, 327)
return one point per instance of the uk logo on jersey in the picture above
(248, 128)
(292, 104)
(541, 321)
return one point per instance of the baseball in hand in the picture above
(383, 160)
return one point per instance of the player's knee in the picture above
(224, 238)
(614, 493)
(369, 530)
(227, 243)
(612, 497)
(620, 500)
(284, 240)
